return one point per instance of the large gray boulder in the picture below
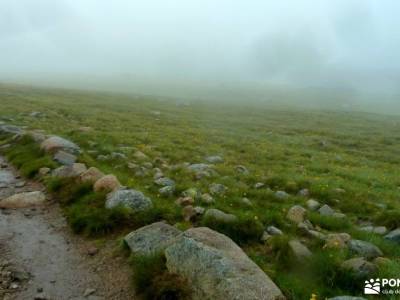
(132, 199)
(151, 238)
(217, 268)
(56, 143)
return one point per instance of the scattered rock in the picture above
(337, 240)
(326, 210)
(265, 237)
(217, 189)
(300, 251)
(91, 175)
(394, 236)
(10, 129)
(381, 230)
(92, 251)
(316, 234)
(199, 167)
(151, 238)
(199, 210)
(167, 190)
(73, 170)
(216, 159)
(207, 198)
(282, 195)
(20, 184)
(365, 249)
(339, 191)
(132, 199)
(64, 158)
(158, 174)
(36, 114)
(118, 155)
(192, 192)
(183, 201)
(84, 129)
(217, 268)
(272, 230)
(21, 200)
(259, 185)
(347, 298)
(165, 181)
(296, 214)
(242, 170)
(360, 267)
(304, 193)
(246, 201)
(89, 292)
(382, 261)
(107, 183)
(140, 156)
(220, 216)
(55, 143)
(312, 204)
(102, 157)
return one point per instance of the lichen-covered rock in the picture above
(151, 238)
(55, 143)
(107, 183)
(21, 200)
(91, 175)
(132, 199)
(73, 170)
(216, 268)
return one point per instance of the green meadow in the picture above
(348, 160)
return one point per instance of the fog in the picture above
(205, 48)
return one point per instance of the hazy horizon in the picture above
(207, 48)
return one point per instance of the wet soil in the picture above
(41, 259)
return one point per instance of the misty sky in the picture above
(340, 43)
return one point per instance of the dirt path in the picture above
(40, 259)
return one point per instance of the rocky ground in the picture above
(40, 259)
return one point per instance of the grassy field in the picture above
(286, 149)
